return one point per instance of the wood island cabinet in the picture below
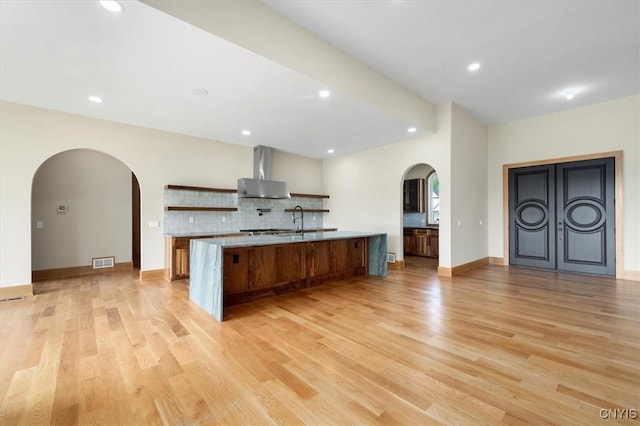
(235, 266)
(248, 269)
(336, 259)
(421, 242)
(286, 266)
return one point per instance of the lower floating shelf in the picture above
(200, 209)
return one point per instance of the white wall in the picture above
(96, 189)
(608, 126)
(29, 136)
(469, 232)
(303, 175)
(366, 187)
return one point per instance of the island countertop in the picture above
(201, 234)
(242, 267)
(423, 227)
(266, 240)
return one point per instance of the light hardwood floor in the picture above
(495, 346)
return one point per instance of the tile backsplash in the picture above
(247, 216)
(414, 219)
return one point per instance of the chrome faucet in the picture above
(293, 218)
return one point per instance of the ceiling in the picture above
(531, 53)
(144, 63)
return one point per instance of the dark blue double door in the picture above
(562, 216)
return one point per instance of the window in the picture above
(433, 197)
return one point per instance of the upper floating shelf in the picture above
(233, 191)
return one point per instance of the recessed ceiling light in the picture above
(246, 132)
(96, 99)
(474, 66)
(324, 93)
(569, 93)
(411, 130)
(330, 151)
(112, 6)
(198, 91)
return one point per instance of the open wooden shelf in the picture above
(308, 210)
(200, 209)
(308, 195)
(232, 191)
(200, 188)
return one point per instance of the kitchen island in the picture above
(178, 244)
(226, 271)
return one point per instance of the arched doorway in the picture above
(421, 216)
(85, 216)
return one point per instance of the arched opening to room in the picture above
(85, 211)
(421, 216)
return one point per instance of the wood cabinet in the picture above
(252, 272)
(336, 259)
(433, 245)
(176, 255)
(421, 242)
(248, 269)
(413, 196)
(235, 270)
(408, 241)
(181, 257)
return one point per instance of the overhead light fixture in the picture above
(96, 99)
(198, 91)
(474, 66)
(112, 6)
(570, 96)
(246, 132)
(330, 151)
(324, 93)
(411, 130)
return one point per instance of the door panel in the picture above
(562, 216)
(532, 217)
(585, 231)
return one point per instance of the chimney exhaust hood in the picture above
(261, 186)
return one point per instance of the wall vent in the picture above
(12, 299)
(391, 258)
(103, 262)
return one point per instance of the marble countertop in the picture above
(266, 240)
(423, 227)
(222, 234)
(201, 234)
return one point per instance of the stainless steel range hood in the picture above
(261, 186)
